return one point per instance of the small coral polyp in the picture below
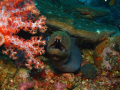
(16, 15)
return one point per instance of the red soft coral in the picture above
(14, 16)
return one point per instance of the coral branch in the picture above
(2, 39)
(22, 14)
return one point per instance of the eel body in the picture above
(63, 52)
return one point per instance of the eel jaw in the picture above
(57, 45)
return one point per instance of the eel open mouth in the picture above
(57, 45)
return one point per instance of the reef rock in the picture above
(107, 54)
(73, 19)
(91, 12)
(84, 29)
(7, 70)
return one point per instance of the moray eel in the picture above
(63, 53)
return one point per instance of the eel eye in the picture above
(63, 38)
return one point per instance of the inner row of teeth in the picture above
(57, 40)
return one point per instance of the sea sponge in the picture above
(89, 71)
(21, 76)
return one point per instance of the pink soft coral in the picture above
(25, 86)
(60, 86)
(104, 55)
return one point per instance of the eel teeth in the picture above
(57, 40)
(57, 45)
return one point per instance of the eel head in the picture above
(58, 45)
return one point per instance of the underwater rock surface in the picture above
(76, 21)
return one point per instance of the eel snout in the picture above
(57, 45)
